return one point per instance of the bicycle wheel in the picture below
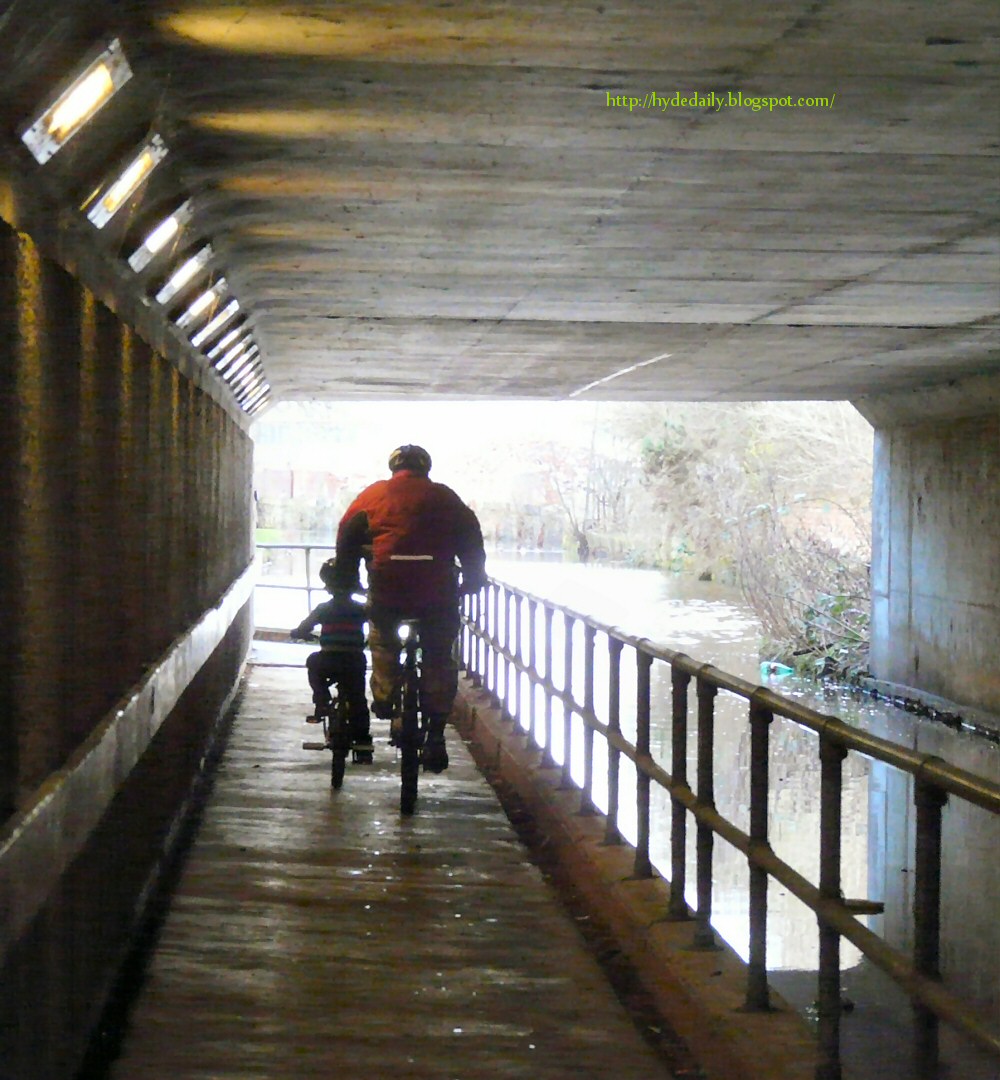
(409, 775)
(340, 745)
(409, 771)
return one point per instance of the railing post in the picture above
(495, 642)
(679, 682)
(930, 801)
(644, 662)
(704, 935)
(567, 764)
(309, 588)
(587, 798)
(547, 758)
(758, 996)
(829, 1005)
(533, 668)
(519, 655)
(508, 663)
(483, 623)
(475, 630)
(611, 833)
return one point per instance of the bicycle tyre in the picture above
(340, 745)
(409, 776)
(409, 771)
(338, 765)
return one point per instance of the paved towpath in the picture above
(319, 934)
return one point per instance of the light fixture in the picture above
(245, 379)
(260, 394)
(247, 385)
(158, 239)
(244, 343)
(252, 408)
(102, 206)
(236, 358)
(85, 95)
(217, 323)
(225, 341)
(184, 274)
(203, 303)
(236, 362)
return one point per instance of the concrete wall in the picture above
(936, 554)
(127, 535)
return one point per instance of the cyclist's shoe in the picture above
(363, 750)
(384, 710)
(435, 753)
(321, 708)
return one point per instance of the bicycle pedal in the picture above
(313, 719)
(314, 745)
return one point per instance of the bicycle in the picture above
(336, 738)
(412, 731)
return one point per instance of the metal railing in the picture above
(309, 589)
(498, 658)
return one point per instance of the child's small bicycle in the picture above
(336, 738)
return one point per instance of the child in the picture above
(341, 658)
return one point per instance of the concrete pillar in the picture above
(936, 533)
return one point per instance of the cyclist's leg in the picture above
(438, 681)
(387, 673)
(318, 670)
(351, 686)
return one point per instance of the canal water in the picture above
(711, 623)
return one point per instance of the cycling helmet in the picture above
(414, 458)
(328, 573)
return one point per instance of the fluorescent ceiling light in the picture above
(158, 239)
(245, 377)
(256, 378)
(252, 406)
(234, 360)
(105, 203)
(91, 89)
(225, 341)
(257, 397)
(184, 274)
(203, 303)
(217, 323)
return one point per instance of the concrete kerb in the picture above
(699, 993)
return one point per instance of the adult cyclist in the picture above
(424, 549)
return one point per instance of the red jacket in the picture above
(416, 530)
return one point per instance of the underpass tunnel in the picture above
(130, 382)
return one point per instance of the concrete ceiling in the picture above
(437, 199)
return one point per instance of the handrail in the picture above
(308, 588)
(488, 644)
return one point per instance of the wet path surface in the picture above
(318, 933)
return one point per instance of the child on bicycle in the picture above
(341, 657)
